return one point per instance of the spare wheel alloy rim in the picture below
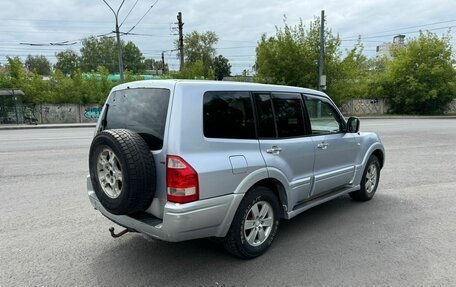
(109, 173)
(258, 223)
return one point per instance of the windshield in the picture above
(140, 110)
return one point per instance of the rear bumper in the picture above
(202, 218)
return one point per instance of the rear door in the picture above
(286, 149)
(144, 111)
(335, 150)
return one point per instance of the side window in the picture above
(281, 112)
(228, 115)
(323, 118)
(266, 125)
(288, 115)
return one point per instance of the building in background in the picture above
(384, 50)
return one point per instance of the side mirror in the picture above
(353, 125)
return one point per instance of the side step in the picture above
(319, 200)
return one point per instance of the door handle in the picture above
(274, 150)
(322, 145)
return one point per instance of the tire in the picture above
(239, 240)
(122, 171)
(369, 181)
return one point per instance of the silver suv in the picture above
(180, 159)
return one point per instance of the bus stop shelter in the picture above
(11, 108)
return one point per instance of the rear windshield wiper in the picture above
(104, 122)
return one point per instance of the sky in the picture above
(239, 24)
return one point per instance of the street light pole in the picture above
(119, 46)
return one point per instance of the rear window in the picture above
(228, 115)
(140, 110)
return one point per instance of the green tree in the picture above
(78, 89)
(133, 58)
(96, 52)
(194, 71)
(290, 57)
(95, 87)
(38, 63)
(35, 88)
(348, 78)
(200, 47)
(222, 67)
(68, 62)
(420, 78)
(62, 89)
(151, 64)
(12, 73)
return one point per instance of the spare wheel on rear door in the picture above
(122, 171)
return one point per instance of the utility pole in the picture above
(321, 77)
(119, 46)
(181, 40)
(163, 63)
(119, 53)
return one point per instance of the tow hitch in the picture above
(111, 230)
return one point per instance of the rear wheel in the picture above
(255, 224)
(369, 181)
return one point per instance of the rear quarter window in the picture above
(228, 115)
(143, 111)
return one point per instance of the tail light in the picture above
(181, 180)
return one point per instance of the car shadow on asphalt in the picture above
(141, 259)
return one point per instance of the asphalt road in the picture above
(405, 236)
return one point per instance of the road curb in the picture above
(45, 126)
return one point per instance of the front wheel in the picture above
(369, 181)
(255, 224)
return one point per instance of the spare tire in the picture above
(122, 171)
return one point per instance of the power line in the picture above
(150, 8)
(62, 43)
(43, 31)
(147, 35)
(77, 25)
(71, 21)
(134, 5)
(408, 32)
(239, 47)
(356, 40)
(237, 41)
(403, 28)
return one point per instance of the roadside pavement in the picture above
(47, 126)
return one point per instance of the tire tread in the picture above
(139, 168)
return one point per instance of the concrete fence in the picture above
(365, 107)
(67, 113)
(377, 107)
(451, 108)
(73, 113)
